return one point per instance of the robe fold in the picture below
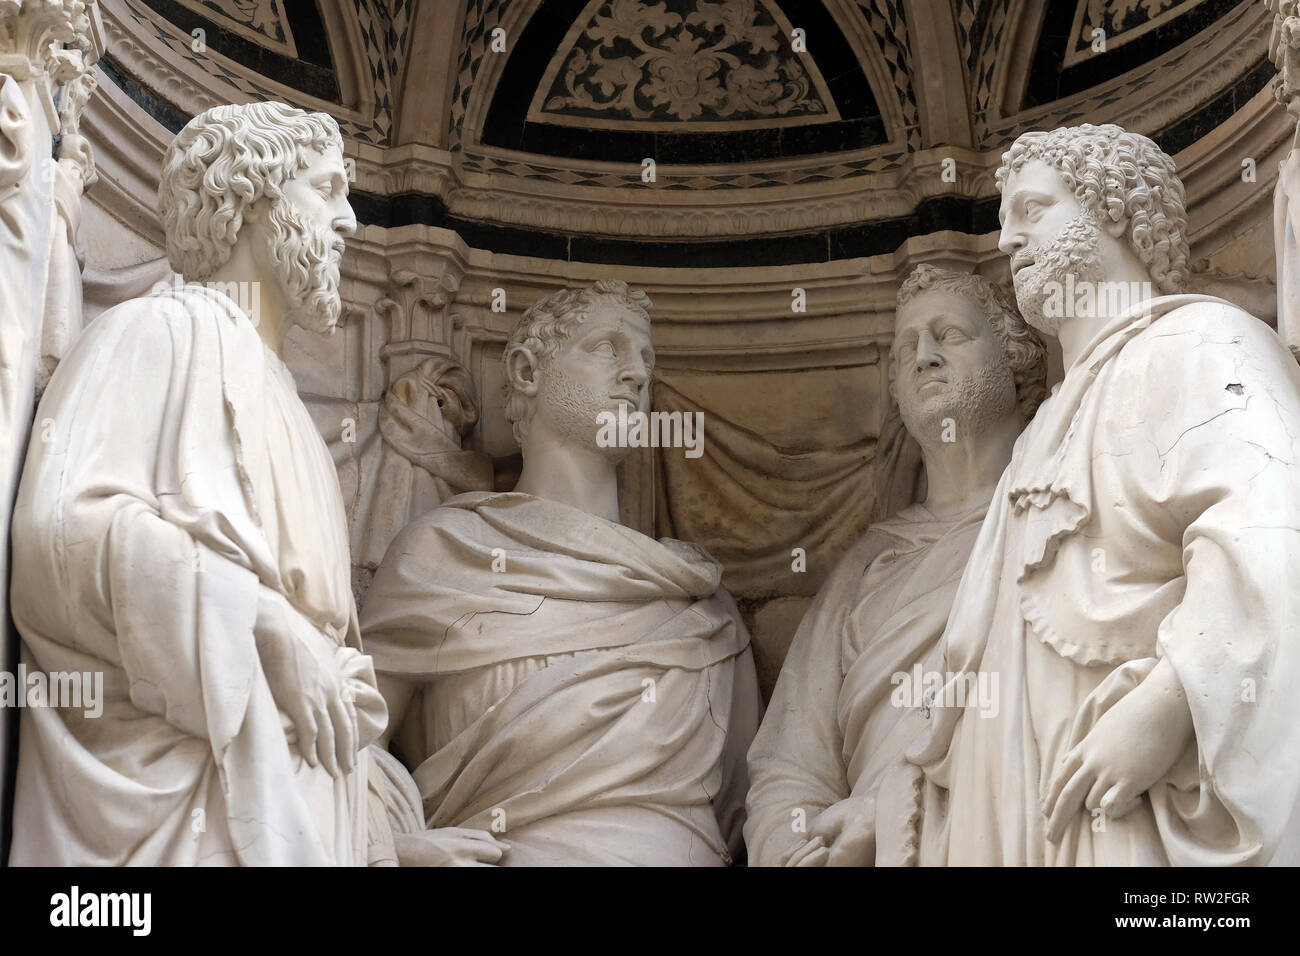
(587, 693)
(1151, 510)
(179, 482)
(835, 724)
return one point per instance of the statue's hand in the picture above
(1127, 751)
(848, 830)
(307, 687)
(449, 846)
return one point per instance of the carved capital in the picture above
(417, 308)
(61, 38)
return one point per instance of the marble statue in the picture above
(966, 373)
(580, 691)
(182, 507)
(1133, 586)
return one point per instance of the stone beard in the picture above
(974, 401)
(307, 258)
(1074, 252)
(573, 410)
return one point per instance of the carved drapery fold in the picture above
(46, 47)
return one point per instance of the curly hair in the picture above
(1023, 347)
(551, 320)
(223, 161)
(1117, 175)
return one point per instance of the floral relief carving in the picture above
(262, 16)
(700, 61)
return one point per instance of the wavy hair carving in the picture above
(1117, 175)
(224, 160)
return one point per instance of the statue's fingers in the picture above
(817, 857)
(325, 741)
(1069, 804)
(1118, 802)
(808, 846)
(1065, 771)
(345, 734)
(1101, 786)
(484, 852)
(856, 848)
(306, 726)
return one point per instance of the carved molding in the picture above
(167, 64)
(1144, 99)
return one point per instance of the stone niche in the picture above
(770, 210)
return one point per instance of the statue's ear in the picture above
(521, 369)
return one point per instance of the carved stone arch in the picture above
(512, 17)
(866, 46)
(941, 87)
(423, 107)
(343, 33)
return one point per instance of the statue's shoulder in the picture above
(170, 316)
(1207, 321)
(1204, 338)
(878, 538)
(426, 536)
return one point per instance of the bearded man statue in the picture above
(180, 530)
(828, 782)
(1136, 584)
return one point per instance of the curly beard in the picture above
(1076, 251)
(573, 407)
(306, 260)
(973, 402)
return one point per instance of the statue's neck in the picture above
(561, 471)
(962, 475)
(250, 283)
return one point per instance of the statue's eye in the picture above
(605, 346)
(952, 334)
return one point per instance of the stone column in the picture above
(46, 49)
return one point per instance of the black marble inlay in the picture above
(846, 242)
(1182, 133)
(161, 110)
(312, 74)
(1048, 82)
(506, 124)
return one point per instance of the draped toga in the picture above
(587, 693)
(833, 726)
